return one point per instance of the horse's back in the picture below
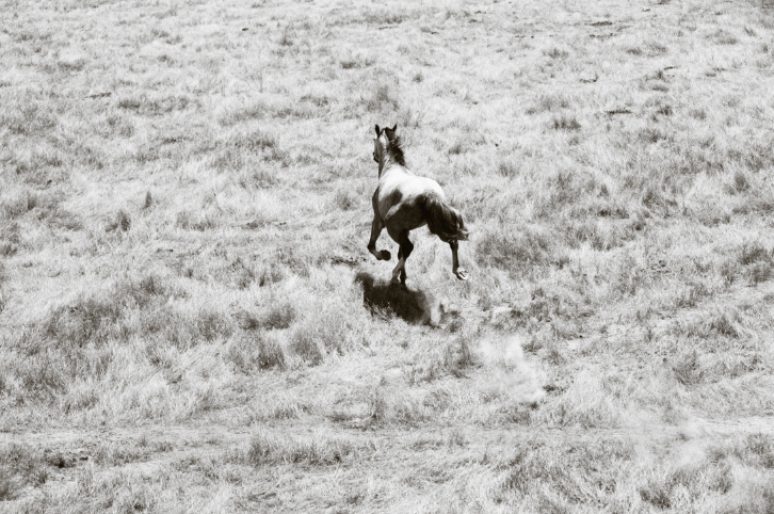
(400, 195)
(398, 179)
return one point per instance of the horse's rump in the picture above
(442, 219)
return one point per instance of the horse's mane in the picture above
(395, 148)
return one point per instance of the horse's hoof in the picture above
(384, 255)
(461, 274)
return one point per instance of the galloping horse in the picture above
(404, 201)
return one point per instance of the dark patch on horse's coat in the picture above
(391, 299)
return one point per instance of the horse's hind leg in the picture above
(459, 272)
(405, 249)
(376, 229)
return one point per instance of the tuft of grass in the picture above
(520, 250)
(212, 324)
(751, 253)
(87, 320)
(690, 297)
(724, 326)
(155, 105)
(278, 315)
(10, 239)
(199, 221)
(118, 454)
(306, 344)
(590, 470)
(328, 330)
(665, 492)
(20, 466)
(508, 169)
(287, 38)
(760, 272)
(2, 296)
(130, 308)
(382, 99)
(652, 135)
(549, 103)
(457, 148)
(271, 354)
(253, 111)
(687, 369)
(565, 122)
(121, 222)
(557, 53)
(28, 119)
(269, 450)
(243, 149)
(454, 358)
(357, 62)
(260, 351)
(346, 199)
(723, 37)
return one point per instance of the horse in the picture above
(404, 201)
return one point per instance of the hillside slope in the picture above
(190, 320)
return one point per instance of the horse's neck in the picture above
(390, 165)
(385, 166)
(392, 169)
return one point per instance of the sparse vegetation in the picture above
(190, 320)
(314, 451)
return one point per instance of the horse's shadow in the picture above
(390, 299)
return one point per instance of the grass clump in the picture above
(565, 122)
(20, 466)
(454, 358)
(517, 250)
(121, 222)
(278, 316)
(267, 449)
(588, 473)
(382, 99)
(667, 492)
(329, 330)
(258, 352)
(95, 318)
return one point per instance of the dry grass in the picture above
(189, 319)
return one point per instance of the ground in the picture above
(190, 320)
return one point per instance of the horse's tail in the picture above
(443, 220)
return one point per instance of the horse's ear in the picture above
(395, 127)
(378, 130)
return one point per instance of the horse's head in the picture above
(381, 142)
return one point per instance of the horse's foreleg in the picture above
(459, 272)
(376, 229)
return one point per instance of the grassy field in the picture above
(190, 320)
